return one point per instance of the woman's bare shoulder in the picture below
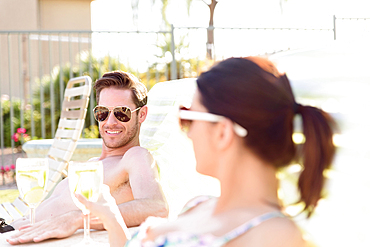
(275, 232)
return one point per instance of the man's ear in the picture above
(143, 112)
(225, 134)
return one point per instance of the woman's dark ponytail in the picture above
(317, 154)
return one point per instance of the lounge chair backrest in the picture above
(172, 150)
(164, 99)
(71, 124)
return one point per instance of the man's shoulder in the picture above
(138, 157)
(93, 159)
(137, 150)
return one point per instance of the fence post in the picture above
(92, 99)
(335, 27)
(10, 97)
(1, 126)
(173, 63)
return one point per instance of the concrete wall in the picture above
(45, 15)
(20, 59)
(65, 15)
(18, 14)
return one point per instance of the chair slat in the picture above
(56, 175)
(63, 133)
(66, 145)
(78, 80)
(80, 103)
(77, 91)
(72, 134)
(54, 178)
(60, 154)
(11, 210)
(53, 164)
(5, 215)
(73, 114)
(55, 169)
(21, 206)
(71, 123)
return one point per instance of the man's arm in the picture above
(149, 199)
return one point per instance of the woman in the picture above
(241, 125)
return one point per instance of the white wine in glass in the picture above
(85, 178)
(31, 177)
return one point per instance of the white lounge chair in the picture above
(172, 150)
(70, 126)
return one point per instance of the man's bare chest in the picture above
(119, 183)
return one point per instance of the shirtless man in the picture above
(129, 170)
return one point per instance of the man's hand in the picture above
(61, 226)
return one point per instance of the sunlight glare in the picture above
(298, 138)
(294, 168)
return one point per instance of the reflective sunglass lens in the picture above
(123, 114)
(101, 113)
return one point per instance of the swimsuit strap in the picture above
(194, 202)
(246, 226)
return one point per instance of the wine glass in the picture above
(31, 176)
(85, 178)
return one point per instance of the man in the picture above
(129, 170)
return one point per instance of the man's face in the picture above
(116, 134)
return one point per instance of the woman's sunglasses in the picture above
(186, 118)
(122, 113)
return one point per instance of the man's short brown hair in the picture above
(123, 80)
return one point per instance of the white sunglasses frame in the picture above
(210, 117)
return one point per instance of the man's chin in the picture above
(113, 144)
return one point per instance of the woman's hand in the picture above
(107, 211)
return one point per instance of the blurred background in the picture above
(321, 45)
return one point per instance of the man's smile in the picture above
(113, 132)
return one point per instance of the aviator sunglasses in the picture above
(122, 113)
(187, 116)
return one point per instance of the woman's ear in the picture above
(224, 134)
(143, 112)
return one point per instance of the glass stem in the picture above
(87, 227)
(32, 215)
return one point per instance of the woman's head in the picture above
(252, 93)
(242, 91)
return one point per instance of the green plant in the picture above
(55, 82)
(8, 121)
(91, 132)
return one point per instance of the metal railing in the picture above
(35, 65)
(351, 28)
